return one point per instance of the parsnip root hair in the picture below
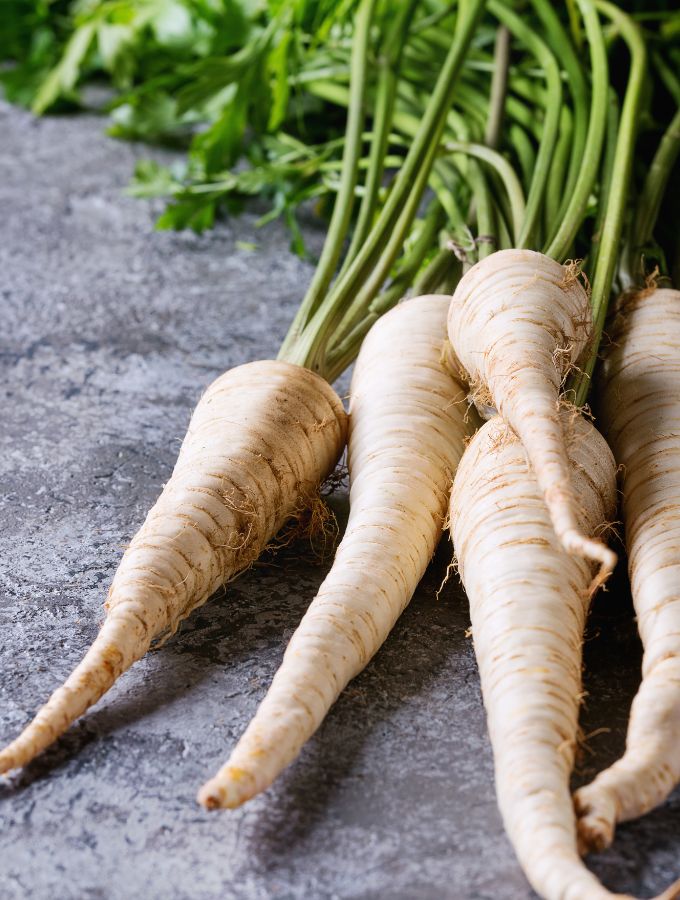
(263, 436)
(528, 603)
(639, 405)
(518, 323)
(408, 425)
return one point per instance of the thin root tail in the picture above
(223, 793)
(577, 544)
(596, 818)
(123, 640)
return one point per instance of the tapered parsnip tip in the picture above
(578, 544)
(227, 790)
(209, 797)
(596, 819)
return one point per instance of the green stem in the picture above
(377, 275)
(487, 240)
(606, 168)
(505, 240)
(523, 114)
(472, 104)
(530, 90)
(552, 117)
(668, 77)
(506, 173)
(499, 87)
(442, 179)
(570, 220)
(408, 123)
(329, 90)
(352, 293)
(410, 264)
(526, 155)
(620, 178)
(653, 191)
(482, 206)
(342, 210)
(343, 352)
(384, 109)
(557, 186)
(436, 273)
(561, 45)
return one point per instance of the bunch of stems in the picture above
(522, 143)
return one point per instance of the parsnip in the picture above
(640, 411)
(407, 426)
(518, 323)
(261, 439)
(528, 604)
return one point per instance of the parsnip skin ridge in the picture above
(528, 602)
(407, 428)
(261, 439)
(639, 405)
(518, 323)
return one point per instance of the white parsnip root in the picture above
(518, 323)
(260, 441)
(408, 423)
(640, 411)
(528, 601)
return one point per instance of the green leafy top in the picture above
(431, 132)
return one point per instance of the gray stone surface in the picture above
(109, 332)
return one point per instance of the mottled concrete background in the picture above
(109, 331)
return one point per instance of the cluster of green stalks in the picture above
(468, 127)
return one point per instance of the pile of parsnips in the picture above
(533, 492)
(529, 495)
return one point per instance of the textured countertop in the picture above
(109, 332)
